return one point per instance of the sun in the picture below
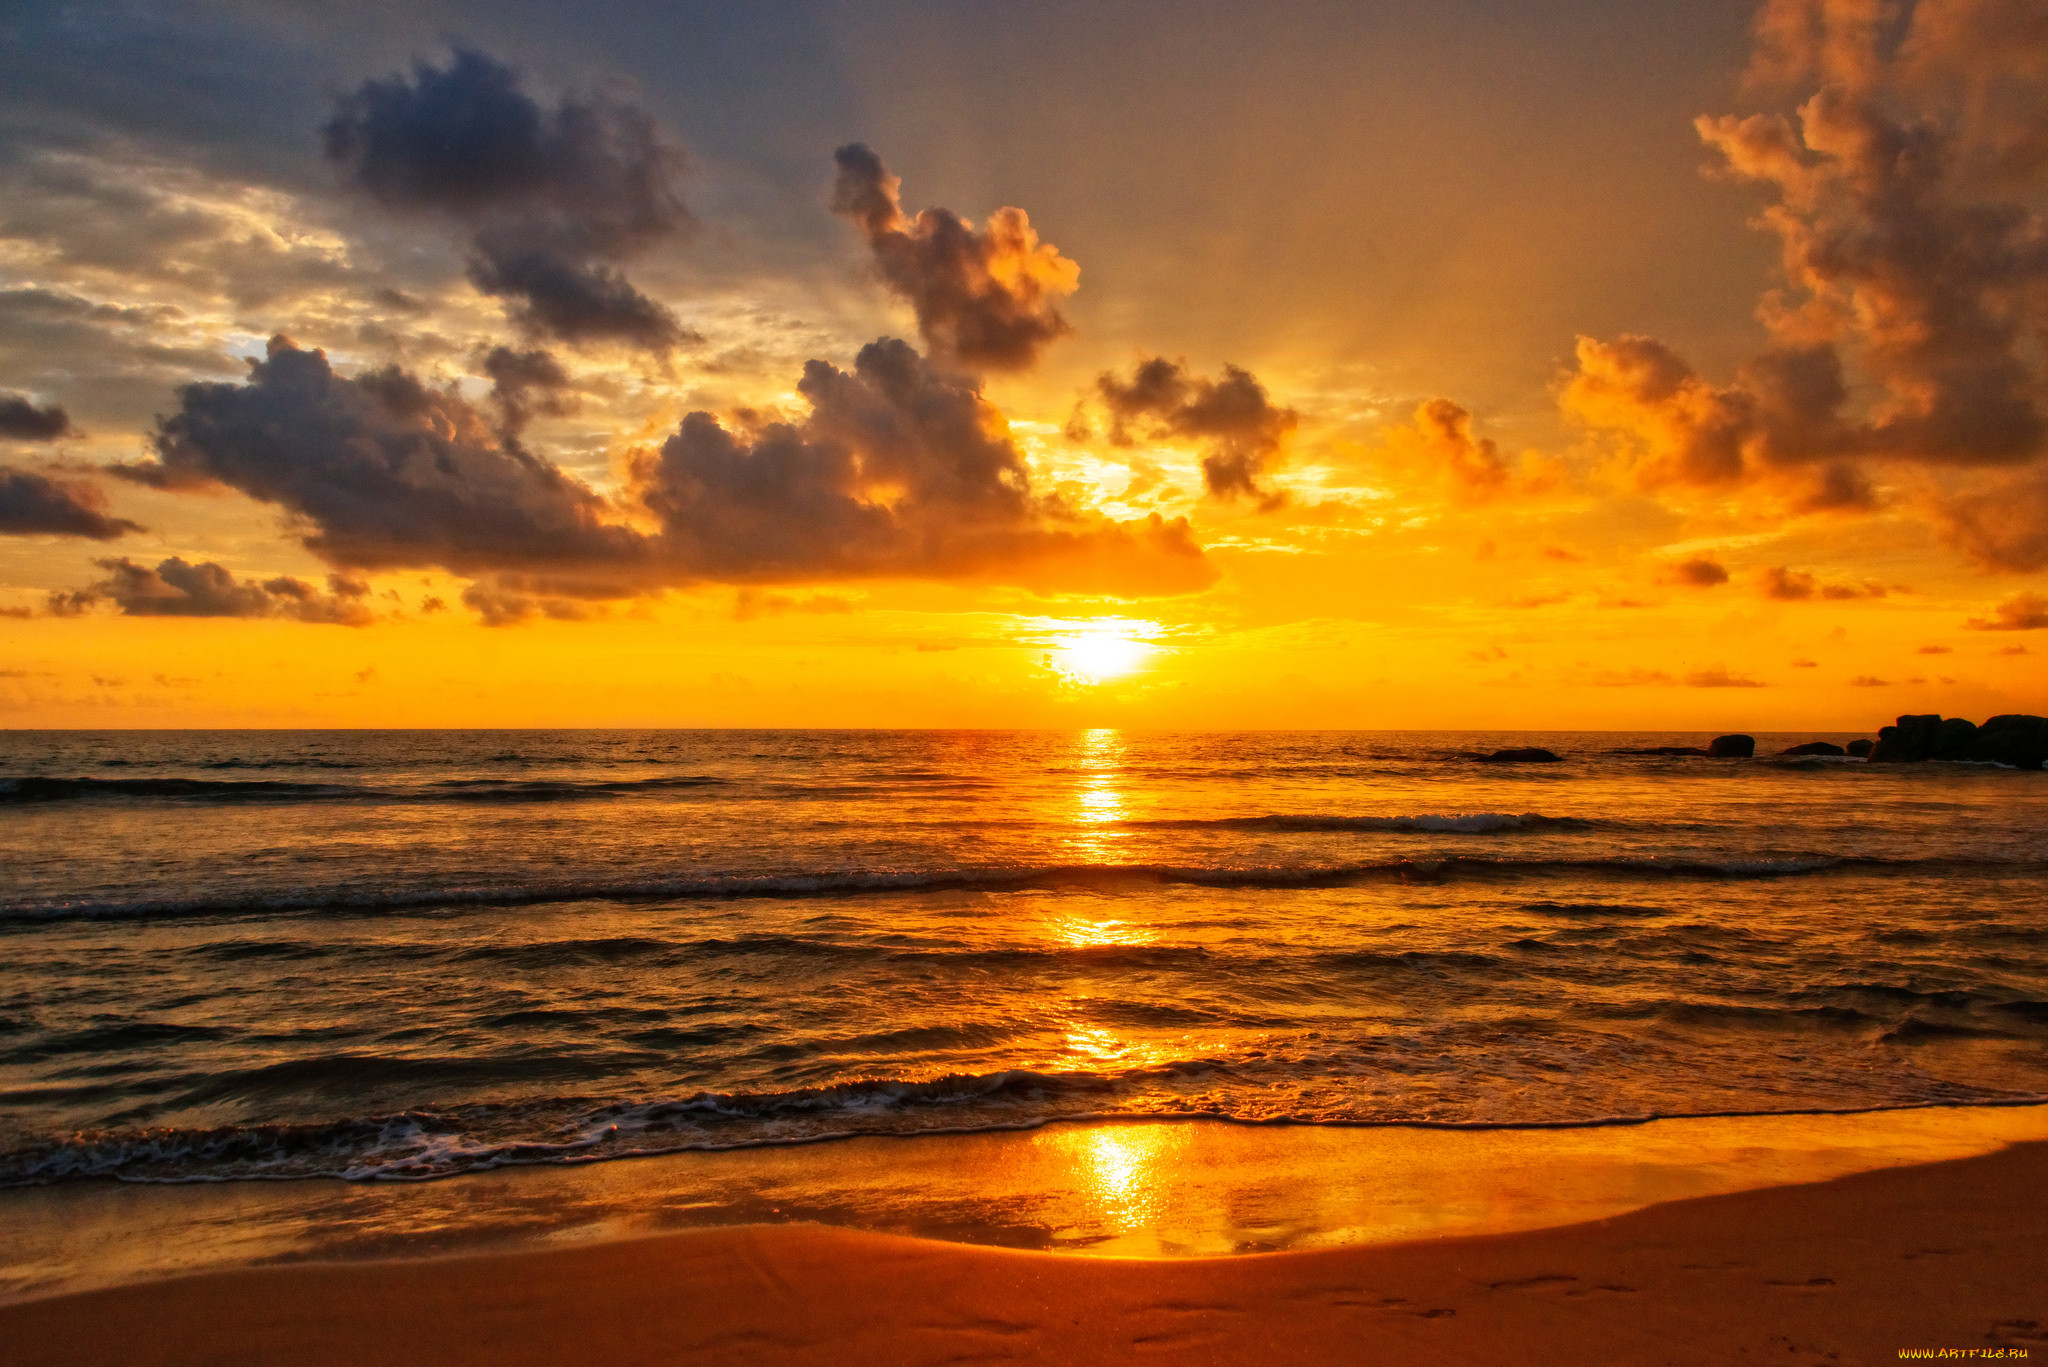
(1098, 654)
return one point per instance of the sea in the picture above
(392, 956)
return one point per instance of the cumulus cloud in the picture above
(555, 198)
(179, 588)
(22, 420)
(1914, 258)
(384, 470)
(987, 298)
(1241, 427)
(1476, 466)
(899, 470)
(2022, 612)
(1698, 572)
(36, 505)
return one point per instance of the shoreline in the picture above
(1162, 1188)
(1937, 1255)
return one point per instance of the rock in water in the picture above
(2015, 738)
(1528, 754)
(1815, 747)
(1912, 739)
(1955, 738)
(1862, 748)
(1732, 747)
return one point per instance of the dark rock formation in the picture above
(1529, 754)
(1732, 747)
(1909, 741)
(1814, 747)
(2015, 739)
(1862, 748)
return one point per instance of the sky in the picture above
(1463, 364)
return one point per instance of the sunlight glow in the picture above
(1100, 652)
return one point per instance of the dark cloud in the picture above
(501, 607)
(1241, 426)
(36, 505)
(2022, 612)
(527, 382)
(385, 471)
(179, 588)
(21, 420)
(1698, 572)
(1789, 585)
(899, 470)
(1915, 257)
(556, 198)
(988, 299)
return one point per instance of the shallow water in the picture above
(398, 955)
(1147, 1189)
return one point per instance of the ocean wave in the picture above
(1465, 823)
(35, 789)
(422, 1145)
(997, 878)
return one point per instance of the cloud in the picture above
(1791, 586)
(1905, 202)
(1241, 426)
(1936, 650)
(501, 607)
(21, 420)
(35, 505)
(1717, 676)
(1698, 572)
(2022, 612)
(179, 588)
(749, 604)
(386, 471)
(1634, 677)
(1476, 467)
(554, 198)
(1869, 681)
(988, 299)
(527, 382)
(899, 470)
(2001, 525)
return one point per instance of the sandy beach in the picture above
(1861, 1269)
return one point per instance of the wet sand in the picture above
(1943, 1255)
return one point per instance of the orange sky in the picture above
(1374, 367)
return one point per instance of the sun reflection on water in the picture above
(1099, 798)
(1118, 1168)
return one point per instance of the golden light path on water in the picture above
(1099, 804)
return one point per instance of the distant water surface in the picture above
(410, 954)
